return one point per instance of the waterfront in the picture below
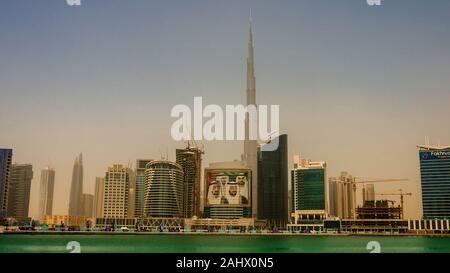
(130, 243)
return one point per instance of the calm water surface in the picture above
(220, 243)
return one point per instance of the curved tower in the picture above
(163, 189)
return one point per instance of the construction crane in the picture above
(401, 193)
(365, 181)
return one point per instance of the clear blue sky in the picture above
(358, 86)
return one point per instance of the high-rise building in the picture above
(251, 146)
(76, 188)
(308, 184)
(5, 168)
(227, 191)
(163, 189)
(340, 196)
(140, 186)
(190, 160)
(98, 196)
(46, 191)
(273, 184)
(118, 195)
(19, 187)
(435, 181)
(368, 193)
(88, 205)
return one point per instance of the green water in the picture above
(16, 243)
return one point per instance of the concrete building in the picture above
(228, 191)
(435, 181)
(98, 196)
(341, 196)
(118, 194)
(88, 205)
(140, 186)
(5, 168)
(19, 188)
(163, 189)
(190, 160)
(46, 191)
(273, 184)
(76, 188)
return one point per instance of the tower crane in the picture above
(401, 193)
(360, 180)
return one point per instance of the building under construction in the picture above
(379, 209)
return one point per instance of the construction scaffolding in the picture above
(379, 209)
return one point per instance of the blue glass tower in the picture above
(435, 181)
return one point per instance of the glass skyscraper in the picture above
(5, 167)
(273, 184)
(308, 185)
(140, 186)
(435, 181)
(19, 188)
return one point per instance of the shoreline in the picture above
(216, 234)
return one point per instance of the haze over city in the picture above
(358, 86)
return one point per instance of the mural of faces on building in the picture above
(227, 187)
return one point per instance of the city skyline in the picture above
(341, 84)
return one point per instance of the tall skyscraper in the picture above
(98, 197)
(308, 184)
(251, 146)
(76, 188)
(140, 186)
(5, 168)
(46, 192)
(163, 189)
(88, 205)
(435, 181)
(118, 195)
(19, 187)
(273, 184)
(341, 196)
(190, 160)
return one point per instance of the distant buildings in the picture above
(368, 193)
(118, 194)
(273, 184)
(163, 189)
(140, 186)
(98, 196)
(435, 181)
(190, 160)
(5, 168)
(341, 196)
(76, 188)
(88, 205)
(46, 191)
(19, 187)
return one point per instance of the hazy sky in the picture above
(358, 86)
